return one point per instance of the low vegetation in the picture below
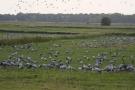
(78, 62)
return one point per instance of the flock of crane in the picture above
(102, 62)
(108, 41)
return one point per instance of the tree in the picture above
(105, 21)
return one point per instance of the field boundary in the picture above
(37, 32)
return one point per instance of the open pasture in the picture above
(100, 58)
(64, 27)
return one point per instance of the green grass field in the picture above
(91, 41)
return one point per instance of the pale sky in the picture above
(67, 6)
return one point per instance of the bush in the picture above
(105, 21)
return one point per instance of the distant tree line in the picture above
(82, 18)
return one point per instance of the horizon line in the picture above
(65, 13)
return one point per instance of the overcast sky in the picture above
(67, 6)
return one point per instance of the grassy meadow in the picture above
(87, 43)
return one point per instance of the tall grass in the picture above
(24, 40)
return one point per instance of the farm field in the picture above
(60, 27)
(95, 58)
